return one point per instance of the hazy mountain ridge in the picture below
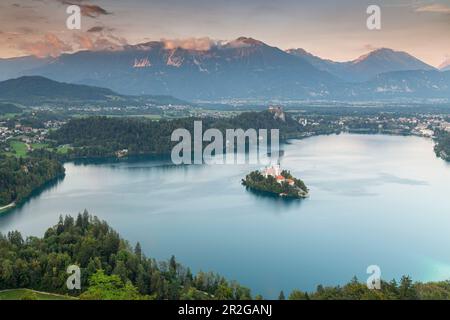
(244, 68)
(367, 66)
(13, 67)
(404, 84)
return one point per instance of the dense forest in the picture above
(442, 146)
(112, 269)
(102, 136)
(256, 181)
(19, 176)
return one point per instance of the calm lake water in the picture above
(375, 199)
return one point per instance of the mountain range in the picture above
(242, 68)
(367, 66)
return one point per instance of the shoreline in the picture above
(7, 207)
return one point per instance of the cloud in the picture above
(101, 38)
(370, 47)
(87, 10)
(198, 44)
(99, 41)
(50, 46)
(435, 8)
(96, 29)
(92, 11)
(84, 41)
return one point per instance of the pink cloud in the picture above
(199, 44)
(435, 8)
(50, 46)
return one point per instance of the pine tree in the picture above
(138, 251)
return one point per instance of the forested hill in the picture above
(102, 136)
(36, 90)
(19, 177)
(40, 88)
(110, 268)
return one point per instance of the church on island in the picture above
(274, 180)
(275, 171)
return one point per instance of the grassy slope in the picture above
(26, 294)
(19, 147)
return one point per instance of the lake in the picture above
(375, 200)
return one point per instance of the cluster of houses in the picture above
(25, 134)
(19, 132)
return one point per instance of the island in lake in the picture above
(273, 180)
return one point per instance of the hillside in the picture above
(19, 177)
(111, 268)
(35, 90)
(6, 108)
(404, 84)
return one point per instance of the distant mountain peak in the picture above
(247, 41)
(388, 54)
(298, 51)
(386, 60)
(380, 52)
(445, 66)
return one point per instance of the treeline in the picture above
(109, 266)
(442, 146)
(405, 289)
(20, 177)
(103, 136)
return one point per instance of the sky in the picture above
(334, 30)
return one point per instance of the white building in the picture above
(274, 171)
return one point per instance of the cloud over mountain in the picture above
(198, 44)
(50, 46)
